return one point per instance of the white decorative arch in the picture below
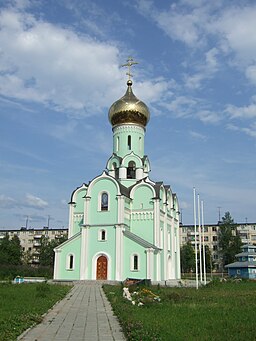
(76, 191)
(104, 175)
(132, 157)
(94, 264)
(142, 183)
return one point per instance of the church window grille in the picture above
(129, 142)
(104, 201)
(131, 170)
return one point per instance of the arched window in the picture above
(134, 262)
(131, 170)
(70, 263)
(117, 143)
(129, 142)
(116, 170)
(140, 144)
(102, 235)
(104, 201)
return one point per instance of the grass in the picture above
(221, 311)
(23, 305)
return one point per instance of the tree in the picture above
(208, 258)
(229, 241)
(46, 256)
(10, 251)
(187, 255)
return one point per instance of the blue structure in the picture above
(245, 267)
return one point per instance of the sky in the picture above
(60, 72)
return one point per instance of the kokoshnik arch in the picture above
(122, 224)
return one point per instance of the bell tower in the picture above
(129, 117)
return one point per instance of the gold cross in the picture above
(129, 64)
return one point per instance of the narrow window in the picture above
(131, 170)
(129, 142)
(135, 262)
(140, 144)
(103, 235)
(71, 262)
(117, 143)
(104, 202)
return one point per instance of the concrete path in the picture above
(83, 315)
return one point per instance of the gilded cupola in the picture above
(129, 109)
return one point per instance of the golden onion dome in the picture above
(129, 109)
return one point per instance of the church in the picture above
(122, 224)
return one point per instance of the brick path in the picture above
(83, 315)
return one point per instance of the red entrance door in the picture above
(102, 268)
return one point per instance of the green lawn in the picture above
(22, 305)
(224, 311)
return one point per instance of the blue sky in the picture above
(60, 72)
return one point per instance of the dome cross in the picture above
(129, 64)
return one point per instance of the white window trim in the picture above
(68, 261)
(132, 262)
(99, 201)
(100, 235)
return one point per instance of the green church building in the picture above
(122, 224)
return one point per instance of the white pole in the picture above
(200, 238)
(202, 211)
(194, 190)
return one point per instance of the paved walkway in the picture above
(83, 315)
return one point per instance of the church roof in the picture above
(140, 240)
(241, 265)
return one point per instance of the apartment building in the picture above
(30, 239)
(247, 232)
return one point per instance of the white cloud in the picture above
(53, 65)
(250, 130)
(34, 202)
(251, 73)
(7, 202)
(247, 112)
(197, 135)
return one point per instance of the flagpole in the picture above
(204, 260)
(200, 238)
(194, 190)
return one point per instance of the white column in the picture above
(156, 222)
(122, 173)
(86, 210)
(177, 251)
(119, 253)
(158, 266)
(139, 173)
(71, 220)
(120, 205)
(56, 264)
(84, 253)
(150, 263)
(165, 247)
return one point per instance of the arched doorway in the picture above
(102, 268)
